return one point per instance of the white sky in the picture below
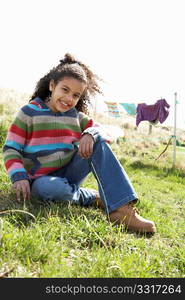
(136, 46)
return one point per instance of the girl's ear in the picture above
(51, 85)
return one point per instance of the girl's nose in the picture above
(69, 99)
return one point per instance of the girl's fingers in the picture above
(24, 192)
(22, 187)
(82, 149)
(28, 191)
(18, 194)
(86, 146)
(17, 188)
(85, 150)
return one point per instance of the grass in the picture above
(72, 242)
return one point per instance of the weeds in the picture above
(64, 240)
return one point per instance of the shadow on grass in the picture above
(161, 172)
(24, 213)
(21, 216)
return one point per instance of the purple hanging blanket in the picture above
(158, 111)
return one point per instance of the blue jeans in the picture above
(114, 185)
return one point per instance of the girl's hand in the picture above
(86, 146)
(22, 187)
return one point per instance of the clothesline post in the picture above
(150, 129)
(174, 130)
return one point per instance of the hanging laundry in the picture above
(129, 107)
(152, 113)
(113, 109)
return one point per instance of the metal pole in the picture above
(150, 129)
(174, 131)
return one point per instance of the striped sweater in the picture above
(40, 141)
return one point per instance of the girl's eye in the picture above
(77, 97)
(64, 89)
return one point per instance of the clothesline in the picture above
(157, 112)
(143, 112)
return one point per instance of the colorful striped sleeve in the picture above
(89, 126)
(85, 121)
(13, 148)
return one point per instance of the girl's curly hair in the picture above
(69, 67)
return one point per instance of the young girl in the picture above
(52, 145)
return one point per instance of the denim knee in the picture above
(51, 188)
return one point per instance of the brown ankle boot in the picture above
(128, 216)
(98, 202)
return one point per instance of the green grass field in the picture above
(69, 241)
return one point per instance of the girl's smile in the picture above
(65, 94)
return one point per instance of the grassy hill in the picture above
(69, 241)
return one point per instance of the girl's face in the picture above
(65, 94)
